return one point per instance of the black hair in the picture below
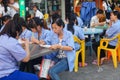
(10, 29)
(59, 22)
(70, 25)
(6, 17)
(116, 13)
(22, 23)
(100, 11)
(55, 16)
(39, 21)
(5, 4)
(32, 24)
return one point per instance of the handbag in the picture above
(44, 68)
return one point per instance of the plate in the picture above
(46, 46)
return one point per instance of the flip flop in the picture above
(80, 64)
(94, 62)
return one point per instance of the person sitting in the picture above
(95, 19)
(77, 31)
(11, 53)
(111, 32)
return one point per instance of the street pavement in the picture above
(93, 72)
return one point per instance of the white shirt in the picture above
(12, 10)
(38, 14)
(1, 9)
(104, 5)
(94, 19)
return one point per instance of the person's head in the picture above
(55, 16)
(102, 18)
(11, 1)
(22, 23)
(115, 15)
(28, 17)
(58, 26)
(35, 7)
(39, 22)
(16, 17)
(11, 29)
(5, 19)
(32, 25)
(99, 13)
(72, 20)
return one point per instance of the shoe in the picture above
(80, 64)
(37, 67)
(94, 62)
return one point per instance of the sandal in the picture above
(94, 62)
(80, 64)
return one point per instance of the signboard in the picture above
(22, 8)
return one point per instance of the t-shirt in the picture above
(11, 52)
(12, 10)
(38, 14)
(94, 19)
(2, 11)
(104, 5)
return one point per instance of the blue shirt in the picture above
(66, 41)
(78, 31)
(44, 35)
(11, 52)
(113, 31)
(26, 34)
(80, 22)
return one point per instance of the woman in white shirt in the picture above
(37, 12)
(14, 7)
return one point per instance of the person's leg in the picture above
(103, 56)
(29, 66)
(95, 46)
(18, 75)
(60, 66)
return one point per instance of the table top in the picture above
(92, 31)
(37, 51)
(102, 27)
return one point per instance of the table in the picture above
(37, 51)
(89, 32)
(102, 27)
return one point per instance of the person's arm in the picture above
(27, 58)
(61, 47)
(16, 6)
(100, 24)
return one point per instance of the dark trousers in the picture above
(102, 52)
(29, 66)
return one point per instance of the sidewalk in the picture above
(91, 71)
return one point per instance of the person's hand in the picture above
(42, 42)
(10, 5)
(110, 23)
(33, 40)
(55, 46)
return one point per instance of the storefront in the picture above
(48, 6)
